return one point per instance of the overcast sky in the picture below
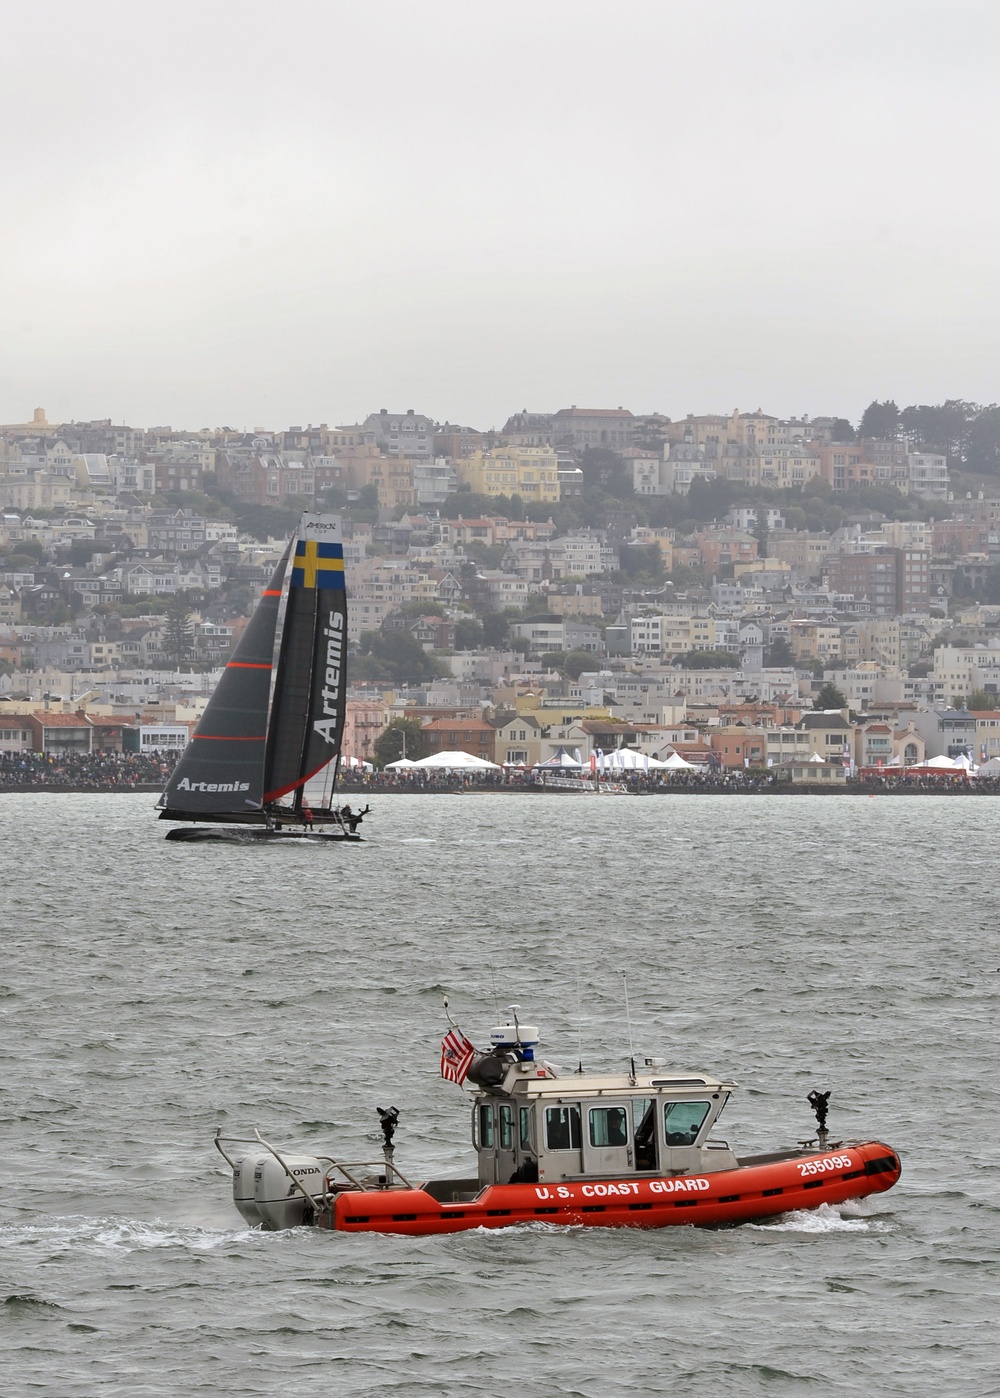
(230, 212)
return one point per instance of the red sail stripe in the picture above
(225, 738)
(271, 592)
(247, 665)
(284, 790)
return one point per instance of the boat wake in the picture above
(120, 1236)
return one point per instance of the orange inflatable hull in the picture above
(724, 1196)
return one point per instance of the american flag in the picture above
(456, 1056)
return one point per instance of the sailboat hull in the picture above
(246, 835)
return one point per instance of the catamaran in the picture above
(272, 725)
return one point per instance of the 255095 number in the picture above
(829, 1162)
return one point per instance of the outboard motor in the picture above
(278, 1199)
(244, 1184)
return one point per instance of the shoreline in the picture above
(373, 792)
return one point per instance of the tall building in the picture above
(402, 434)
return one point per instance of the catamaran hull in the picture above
(236, 835)
(724, 1197)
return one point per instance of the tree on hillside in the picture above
(496, 629)
(983, 441)
(178, 634)
(468, 633)
(708, 660)
(879, 420)
(394, 657)
(606, 469)
(779, 653)
(841, 430)
(401, 732)
(943, 427)
(981, 701)
(760, 531)
(709, 499)
(830, 697)
(577, 661)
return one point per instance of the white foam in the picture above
(844, 1218)
(120, 1235)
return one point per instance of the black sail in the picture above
(221, 771)
(308, 706)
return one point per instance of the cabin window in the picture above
(644, 1132)
(485, 1126)
(608, 1126)
(525, 1131)
(562, 1128)
(506, 1126)
(682, 1121)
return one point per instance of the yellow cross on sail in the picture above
(318, 564)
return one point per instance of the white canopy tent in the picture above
(676, 763)
(402, 764)
(560, 761)
(455, 762)
(628, 760)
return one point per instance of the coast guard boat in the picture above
(623, 1150)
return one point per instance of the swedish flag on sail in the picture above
(318, 565)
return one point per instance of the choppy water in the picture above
(151, 991)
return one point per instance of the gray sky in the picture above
(236, 213)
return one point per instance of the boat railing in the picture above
(387, 1167)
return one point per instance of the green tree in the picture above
(980, 700)
(607, 470)
(830, 697)
(178, 634)
(468, 633)
(709, 499)
(983, 441)
(841, 430)
(577, 661)
(401, 733)
(760, 531)
(779, 653)
(879, 420)
(496, 629)
(709, 660)
(643, 561)
(394, 657)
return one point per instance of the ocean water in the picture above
(152, 991)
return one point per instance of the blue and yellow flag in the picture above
(318, 565)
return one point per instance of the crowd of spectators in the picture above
(86, 771)
(125, 771)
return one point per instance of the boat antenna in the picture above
(496, 997)
(447, 1012)
(514, 1009)
(579, 1026)
(628, 1021)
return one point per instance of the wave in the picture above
(123, 1235)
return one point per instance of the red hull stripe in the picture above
(292, 786)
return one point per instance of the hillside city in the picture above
(748, 592)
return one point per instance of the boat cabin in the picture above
(537, 1126)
